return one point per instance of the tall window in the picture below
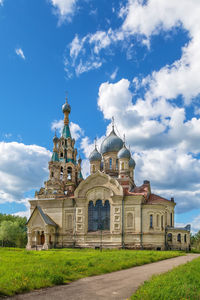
(122, 165)
(171, 220)
(110, 163)
(61, 173)
(161, 221)
(151, 221)
(98, 216)
(179, 237)
(185, 238)
(93, 168)
(117, 163)
(69, 173)
(129, 220)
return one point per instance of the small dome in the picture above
(124, 153)
(66, 107)
(55, 139)
(132, 163)
(95, 155)
(112, 143)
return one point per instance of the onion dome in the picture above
(95, 155)
(112, 143)
(124, 153)
(132, 163)
(55, 139)
(66, 107)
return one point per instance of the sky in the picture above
(138, 61)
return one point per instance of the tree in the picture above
(12, 231)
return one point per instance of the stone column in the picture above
(46, 241)
(29, 243)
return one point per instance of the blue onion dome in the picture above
(66, 107)
(132, 163)
(95, 155)
(112, 143)
(124, 153)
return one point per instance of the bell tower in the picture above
(64, 169)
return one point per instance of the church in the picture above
(104, 210)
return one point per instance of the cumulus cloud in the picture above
(165, 144)
(160, 16)
(65, 9)
(20, 53)
(22, 168)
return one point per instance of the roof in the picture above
(44, 216)
(111, 143)
(153, 199)
(54, 156)
(66, 132)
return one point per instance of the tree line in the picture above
(13, 231)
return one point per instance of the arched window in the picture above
(169, 237)
(61, 154)
(151, 221)
(117, 164)
(129, 220)
(110, 163)
(52, 174)
(179, 238)
(122, 165)
(157, 221)
(69, 173)
(98, 216)
(61, 173)
(185, 238)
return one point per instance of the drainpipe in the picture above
(141, 229)
(123, 222)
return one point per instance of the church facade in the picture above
(104, 210)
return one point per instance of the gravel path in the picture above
(118, 285)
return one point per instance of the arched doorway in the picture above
(42, 238)
(98, 216)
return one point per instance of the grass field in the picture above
(181, 283)
(22, 270)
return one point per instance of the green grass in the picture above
(182, 282)
(22, 270)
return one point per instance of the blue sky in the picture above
(138, 61)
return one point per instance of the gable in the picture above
(36, 219)
(101, 183)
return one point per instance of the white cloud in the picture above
(114, 74)
(165, 144)
(75, 129)
(22, 168)
(179, 78)
(20, 53)
(65, 9)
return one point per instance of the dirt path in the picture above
(118, 285)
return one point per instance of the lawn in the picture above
(22, 270)
(181, 283)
